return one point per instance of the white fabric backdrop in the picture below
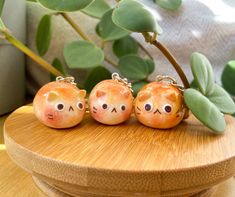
(206, 26)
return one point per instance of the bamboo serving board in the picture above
(92, 159)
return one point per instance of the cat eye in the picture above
(60, 107)
(105, 106)
(80, 106)
(123, 107)
(167, 108)
(148, 107)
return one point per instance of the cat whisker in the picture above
(94, 108)
(138, 108)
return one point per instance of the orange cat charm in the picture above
(60, 104)
(160, 105)
(111, 101)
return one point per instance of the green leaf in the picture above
(135, 16)
(203, 73)
(82, 54)
(169, 4)
(133, 67)
(125, 46)
(58, 65)
(108, 30)
(65, 6)
(150, 65)
(193, 84)
(98, 74)
(204, 110)
(228, 77)
(43, 37)
(137, 86)
(96, 9)
(222, 100)
(1, 6)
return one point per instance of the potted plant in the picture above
(12, 61)
(116, 24)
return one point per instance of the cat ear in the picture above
(52, 96)
(172, 96)
(144, 95)
(100, 93)
(126, 93)
(82, 93)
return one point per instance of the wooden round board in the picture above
(129, 159)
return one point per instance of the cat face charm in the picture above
(160, 105)
(60, 104)
(111, 101)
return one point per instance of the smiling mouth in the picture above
(114, 110)
(71, 108)
(157, 111)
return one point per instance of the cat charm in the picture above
(60, 104)
(160, 104)
(111, 101)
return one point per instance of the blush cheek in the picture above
(80, 114)
(57, 116)
(126, 114)
(97, 114)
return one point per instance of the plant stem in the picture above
(173, 61)
(110, 62)
(32, 55)
(75, 27)
(152, 39)
(83, 34)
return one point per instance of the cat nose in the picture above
(114, 109)
(71, 108)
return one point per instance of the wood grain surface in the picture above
(124, 159)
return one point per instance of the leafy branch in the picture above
(15, 42)
(82, 33)
(208, 101)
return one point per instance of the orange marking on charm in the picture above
(60, 104)
(159, 105)
(110, 102)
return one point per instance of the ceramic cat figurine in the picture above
(60, 104)
(111, 101)
(160, 105)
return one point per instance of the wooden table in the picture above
(126, 160)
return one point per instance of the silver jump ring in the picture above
(116, 77)
(171, 81)
(166, 78)
(70, 80)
